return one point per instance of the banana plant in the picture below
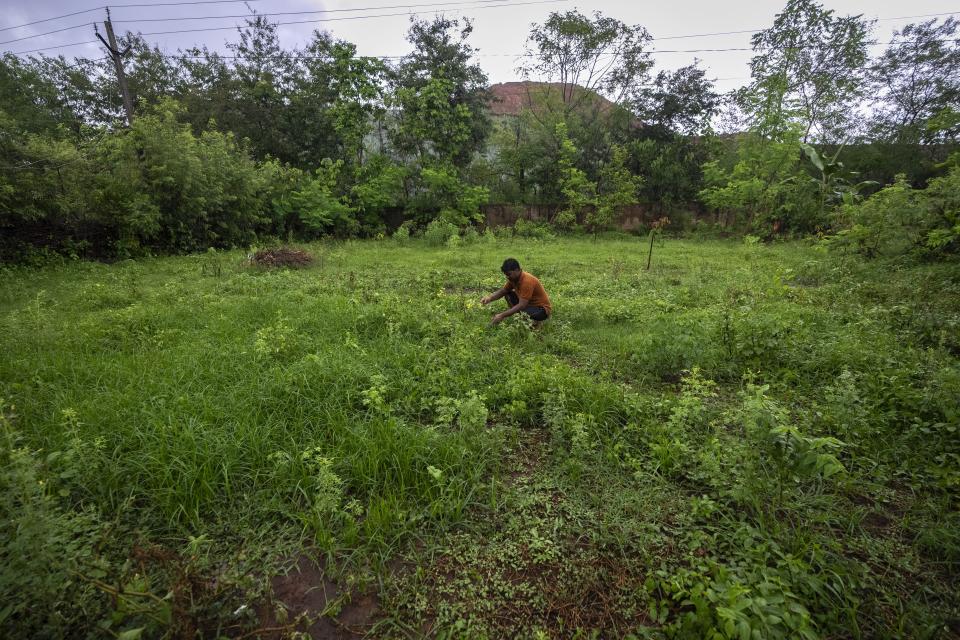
(832, 182)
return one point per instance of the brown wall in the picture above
(630, 218)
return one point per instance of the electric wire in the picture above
(119, 6)
(249, 15)
(488, 5)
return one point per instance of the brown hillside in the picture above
(510, 98)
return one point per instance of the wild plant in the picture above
(780, 451)
(274, 339)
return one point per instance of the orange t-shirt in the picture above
(531, 289)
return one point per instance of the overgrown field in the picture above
(744, 441)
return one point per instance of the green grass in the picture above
(744, 438)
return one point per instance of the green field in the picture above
(745, 439)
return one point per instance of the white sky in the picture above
(499, 32)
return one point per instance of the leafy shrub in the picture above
(899, 219)
(402, 234)
(470, 236)
(617, 187)
(766, 189)
(43, 547)
(729, 601)
(379, 188)
(317, 209)
(445, 196)
(524, 228)
(439, 232)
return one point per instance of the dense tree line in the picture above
(263, 141)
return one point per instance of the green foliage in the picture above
(169, 189)
(441, 96)
(887, 223)
(379, 189)
(807, 72)
(440, 232)
(916, 84)
(579, 193)
(569, 47)
(443, 195)
(316, 209)
(45, 548)
(617, 188)
(524, 228)
(765, 190)
(734, 602)
(899, 219)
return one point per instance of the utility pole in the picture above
(117, 57)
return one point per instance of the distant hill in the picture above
(511, 98)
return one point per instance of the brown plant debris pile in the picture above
(282, 257)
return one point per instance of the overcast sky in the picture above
(499, 31)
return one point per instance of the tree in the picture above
(682, 101)
(808, 69)
(263, 74)
(579, 192)
(603, 56)
(442, 97)
(616, 188)
(588, 66)
(915, 82)
(675, 140)
(32, 99)
(150, 75)
(336, 102)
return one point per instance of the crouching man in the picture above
(523, 293)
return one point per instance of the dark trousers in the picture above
(536, 313)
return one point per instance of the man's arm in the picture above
(517, 308)
(496, 295)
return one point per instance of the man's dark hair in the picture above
(510, 264)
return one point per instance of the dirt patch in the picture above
(307, 600)
(529, 454)
(282, 257)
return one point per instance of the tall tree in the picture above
(588, 67)
(264, 75)
(442, 96)
(681, 102)
(808, 68)
(915, 80)
(337, 100)
(601, 55)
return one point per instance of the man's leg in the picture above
(538, 315)
(512, 299)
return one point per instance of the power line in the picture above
(487, 5)
(928, 15)
(59, 46)
(728, 33)
(66, 15)
(47, 33)
(403, 6)
(300, 13)
(363, 17)
(249, 15)
(319, 20)
(153, 4)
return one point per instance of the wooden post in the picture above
(117, 57)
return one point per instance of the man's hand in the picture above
(485, 300)
(497, 319)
